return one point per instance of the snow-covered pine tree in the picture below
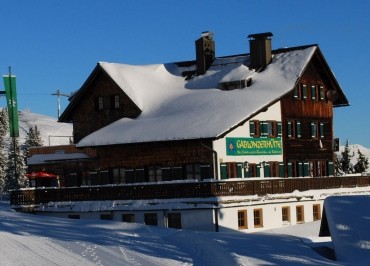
(33, 139)
(3, 157)
(16, 170)
(345, 161)
(362, 162)
(338, 171)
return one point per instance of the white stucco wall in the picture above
(272, 113)
(271, 215)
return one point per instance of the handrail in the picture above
(196, 189)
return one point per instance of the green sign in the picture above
(253, 146)
(11, 99)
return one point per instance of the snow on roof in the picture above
(348, 221)
(175, 109)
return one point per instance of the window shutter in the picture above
(299, 129)
(321, 130)
(322, 95)
(279, 129)
(313, 130)
(289, 125)
(281, 169)
(300, 169)
(223, 167)
(252, 128)
(290, 169)
(296, 92)
(331, 168)
(258, 170)
(304, 91)
(239, 167)
(266, 170)
(313, 92)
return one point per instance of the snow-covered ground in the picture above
(27, 239)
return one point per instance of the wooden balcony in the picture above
(202, 189)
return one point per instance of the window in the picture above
(257, 217)
(293, 129)
(118, 175)
(242, 219)
(316, 212)
(150, 219)
(322, 93)
(274, 169)
(300, 91)
(193, 171)
(253, 171)
(271, 129)
(295, 169)
(254, 128)
(99, 103)
(317, 130)
(322, 168)
(231, 170)
(128, 217)
(285, 214)
(300, 214)
(115, 104)
(174, 220)
(313, 92)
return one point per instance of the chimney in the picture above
(205, 52)
(260, 50)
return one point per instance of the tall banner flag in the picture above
(11, 99)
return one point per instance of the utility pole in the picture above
(58, 93)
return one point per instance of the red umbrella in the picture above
(40, 175)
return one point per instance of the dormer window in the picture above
(236, 84)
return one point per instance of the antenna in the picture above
(58, 93)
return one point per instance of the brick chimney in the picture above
(260, 50)
(205, 52)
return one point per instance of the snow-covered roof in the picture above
(174, 108)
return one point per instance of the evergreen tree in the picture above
(362, 162)
(346, 159)
(33, 139)
(338, 171)
(16, 170)
(3, 159)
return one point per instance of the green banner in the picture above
(253, 146)
(11, 99)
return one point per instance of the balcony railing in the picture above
(201, 189)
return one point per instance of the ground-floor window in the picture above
(231, 170)
(258, 218)
(128, 217)
(150, 219)
(174, 220)
(242, 219)
(300, 213)
(285, 214)
(316, 211)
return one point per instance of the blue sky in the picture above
(55, 44)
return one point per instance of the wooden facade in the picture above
(307, 118)
(103, 103)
